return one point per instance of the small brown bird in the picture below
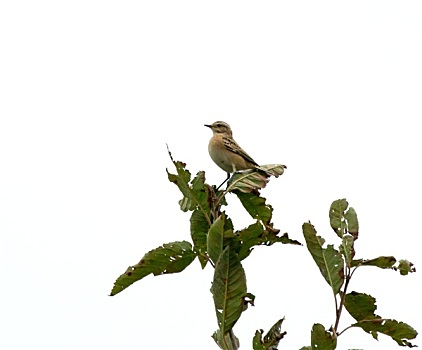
(225, 151)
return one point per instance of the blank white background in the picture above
(91, 92)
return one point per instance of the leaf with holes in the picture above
(337, 220)
(405, 267)
(362, 308)
(195, 193)
(347, 248)
(256, 235)
(383, 262)
(322, 339)
(271, 339)
(169, 258)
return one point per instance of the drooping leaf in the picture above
(387, 262)
(255, 206)
(198, 230)
(328, 260)
(347, 248)
(248, 299)
(274, 238)
(249, 237)
(228, 289)
(383, 262)
(322, 339)
(169, 258)
(271, 339)
(337, 220)
(226, 341)
(362, 308)
(255, 235)
(399, 331)
(215, 238)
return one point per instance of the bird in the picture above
(226, 153)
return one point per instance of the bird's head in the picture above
(220, 128)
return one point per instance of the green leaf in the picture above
(169, 258)
(182, 181)
(255, 235)
(248, 299)
(198, 230)
(405, 267)
(387, 262)
(399, 332)
(249, 237)
(343, 222)
(362, 308)
(274, 238)
(200, 192)
(352, 222)
(257, 342)
(306, 348)
(328, 260)
(215, 239)
(347, 248)
(383, 262)
(322, 339)
(271, 339)
(274, 335)
(228, 224)
(337, 220)
(196, 193)
(255, 206)
(228, 289)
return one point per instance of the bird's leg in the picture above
(228, 177)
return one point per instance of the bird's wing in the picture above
(232, 146)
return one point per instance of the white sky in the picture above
(91, 91)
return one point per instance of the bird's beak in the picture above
(208, 126)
